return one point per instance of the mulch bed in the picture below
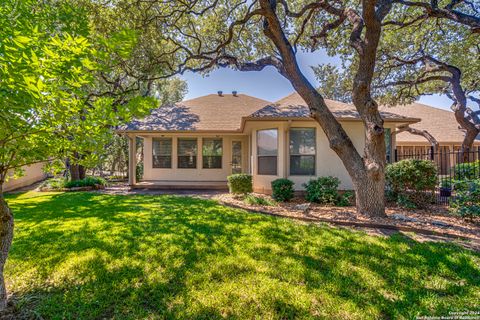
(435, 220)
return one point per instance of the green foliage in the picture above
(62, 183)
(155, 250)
(467, 170)
(344, 199)
(54, 184)
(446, 183)
(412, 181)
(466, 202)
(257, 200)
(324, 190)
(139, 171)
(240, 183)
(282, 189)
(87, 182)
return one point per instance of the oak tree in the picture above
(252, 35)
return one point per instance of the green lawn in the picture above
(93, 256)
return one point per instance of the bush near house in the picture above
(87, 182)
(411, 182)
(324, 190)
(61, 183)
(467, 199)
(467, 171)
(240, 183)
(282, 189)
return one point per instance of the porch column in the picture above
(132, 160)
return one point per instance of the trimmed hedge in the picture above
(240, 183)
(282, 189)
(411, 182)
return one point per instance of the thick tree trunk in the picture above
(81, 171)
(369, 195)
(77, 172)
(367, 173)
(6, 236)
(74, 172)
(469, 139)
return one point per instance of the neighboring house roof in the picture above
(208, 113)
(441, 124)
(293, 106)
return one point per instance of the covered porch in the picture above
(197, 161)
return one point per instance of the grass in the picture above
(94, 256)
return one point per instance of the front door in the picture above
(236, 157)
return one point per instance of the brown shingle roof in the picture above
(208, 113)
(439, 123)
(293, 106)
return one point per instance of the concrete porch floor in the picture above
(125, 189)
(181, 185)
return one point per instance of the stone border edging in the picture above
(353, 224)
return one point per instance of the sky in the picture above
(268, 84)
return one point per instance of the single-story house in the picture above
(198, 143)
(32, 174)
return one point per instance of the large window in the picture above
(162, 152)
(212, 153)
(267, 150)
(187, 153)
(302, 151)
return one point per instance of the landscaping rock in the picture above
(403, 218)
(302, 207)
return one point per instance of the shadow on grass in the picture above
(88, 255)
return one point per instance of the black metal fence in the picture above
(453, 167)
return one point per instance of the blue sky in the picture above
(269, 84)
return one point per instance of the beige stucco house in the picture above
(199, 142)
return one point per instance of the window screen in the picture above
(162, 152)
(212, 153)
(302, 151)
(187, 153)
(267, 151)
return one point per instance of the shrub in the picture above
(467, 199)
(240, 183)
(467, 171)
(282, 189)
(139, 172)
(87, 182)
(324, 190)
(256, 200)
(54, 184)
(411, 182)
(344, 200)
